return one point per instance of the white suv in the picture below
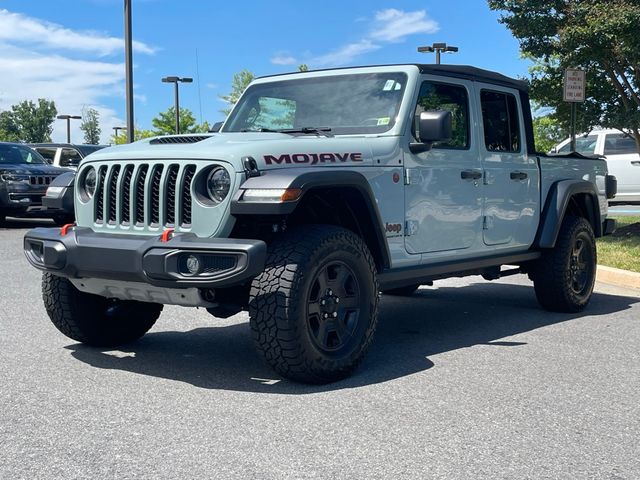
(622, 156)
(64, 154)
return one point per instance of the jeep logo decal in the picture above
(312, 158)
(394, 228)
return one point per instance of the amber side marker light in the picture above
(274, 195)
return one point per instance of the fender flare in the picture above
(307, 181)
(556, 205)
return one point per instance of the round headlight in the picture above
(89, 181)
(218, 184)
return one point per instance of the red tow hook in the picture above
(166, 235)
(65, 228)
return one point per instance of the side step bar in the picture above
(402, 277)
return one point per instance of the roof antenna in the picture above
(438, 47)
(198, 79)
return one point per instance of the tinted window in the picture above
(619, 144)
(49, 154)
(19, 154)
(70, 157)
(451, 98)
(358, 103)
(89, 149)
(584, 145)
(500, 120)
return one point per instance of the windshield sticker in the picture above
(384, 121)
(389, 85)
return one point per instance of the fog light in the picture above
(193, 264)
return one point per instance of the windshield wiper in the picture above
(307, 130)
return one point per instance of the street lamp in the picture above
(176, 81)
(438, 47)
(116, 130)
(68, 118)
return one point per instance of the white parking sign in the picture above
(574, 85)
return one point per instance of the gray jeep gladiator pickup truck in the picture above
(322, 190)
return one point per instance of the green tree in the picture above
(547, 132)
(241, 81)
(29, 122)
(91, 126)
(303, 67)
(138, 134)
(600, 36)
(165, 122)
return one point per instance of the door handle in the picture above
(635, 164)
(470, 174)
(519, 175)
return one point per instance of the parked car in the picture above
(65, 154)
(321, 190)
(622, 156)
(24, 179)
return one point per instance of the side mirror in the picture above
(216, 127)
(433, 126)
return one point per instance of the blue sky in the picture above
(71, 50)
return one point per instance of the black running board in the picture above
(421, 274)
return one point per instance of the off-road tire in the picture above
(92, 319)
(557, 285)
(402, 291)
(280, 309)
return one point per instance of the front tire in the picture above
(314, 309)
(92, 319)
(565, 276)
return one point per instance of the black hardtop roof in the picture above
(466, 72)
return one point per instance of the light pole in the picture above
(438, 47)
(128, 60)
(68, 119)
(116, 130)
(176, 81)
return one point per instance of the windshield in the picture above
(20, 154)
(346, 104)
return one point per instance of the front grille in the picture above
(144, 195)
(41, 179)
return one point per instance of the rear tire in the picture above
(314, 309)
(92, 319)
(565, 276)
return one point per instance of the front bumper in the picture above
(83, 253)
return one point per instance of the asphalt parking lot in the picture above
(473, 382)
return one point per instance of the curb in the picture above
(618, 277)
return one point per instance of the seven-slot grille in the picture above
(41, 179)
(145, 195)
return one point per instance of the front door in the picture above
(443, 187)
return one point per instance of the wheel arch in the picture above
(568, 197)
(341, 198)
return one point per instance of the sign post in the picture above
(574, 92)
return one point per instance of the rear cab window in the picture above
(619, 144)
(501, 122)
(70, 157)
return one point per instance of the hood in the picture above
(29, 169)
(270, 150)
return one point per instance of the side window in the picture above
(619, 144)
(70, 157)
(447, 97)
(501, 121)
(49, 154)
(584, 145)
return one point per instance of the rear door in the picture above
(511, 176)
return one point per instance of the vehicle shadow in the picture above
(411, 330)
(19, 223)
